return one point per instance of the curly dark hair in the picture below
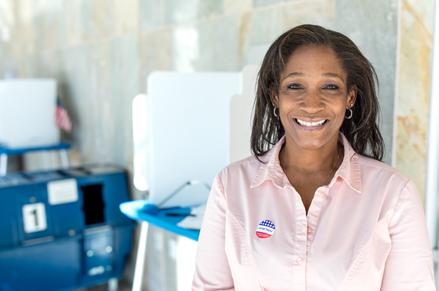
(361, 131)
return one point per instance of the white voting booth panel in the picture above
(141, 138)
(188, 127)
(27, 113)
(241, 112)
(189, 120)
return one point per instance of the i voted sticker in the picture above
(265, 229)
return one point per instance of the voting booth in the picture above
(62, 229)
(186, 128)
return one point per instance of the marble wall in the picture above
(102, 51)
(413, 89)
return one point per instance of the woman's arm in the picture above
(212, 270)
(409, 266)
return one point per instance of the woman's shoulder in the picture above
(380, 170)
(245, 164)
(245, 167)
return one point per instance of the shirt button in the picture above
(310, 231)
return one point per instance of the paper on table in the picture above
(194, 221)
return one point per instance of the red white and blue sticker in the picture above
(265, 229)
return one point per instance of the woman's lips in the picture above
(310, 125)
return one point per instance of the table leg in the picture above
(3, 164)
(113, 284)
(65, 163)
(140, 258)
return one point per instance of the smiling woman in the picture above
(314, 208)
(312, 99)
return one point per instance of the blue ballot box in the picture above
(61, 230)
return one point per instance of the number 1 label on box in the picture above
(34, 217)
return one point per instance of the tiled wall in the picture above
(101, 52)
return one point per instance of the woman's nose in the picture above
(312, 102)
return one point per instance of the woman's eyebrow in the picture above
(333, 75)
(292, 74)
(328, 74)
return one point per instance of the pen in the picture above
(178, 214)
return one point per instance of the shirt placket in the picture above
(318, 203)
(300, 245)
(306, 226)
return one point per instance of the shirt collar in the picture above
(349, 169)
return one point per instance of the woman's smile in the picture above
(310, 125)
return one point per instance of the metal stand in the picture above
(140, 258)
(113, 284)
(432, 189)
(64, 158)
(3, 164)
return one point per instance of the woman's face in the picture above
(313, 97)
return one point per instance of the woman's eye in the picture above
(294, 86)
(331, 87)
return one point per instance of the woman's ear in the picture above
(352, 96)
(275, 101)
(274, 98)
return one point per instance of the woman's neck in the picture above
(325, 159)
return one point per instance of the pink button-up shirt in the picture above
(363, 231)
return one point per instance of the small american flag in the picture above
(62, 117)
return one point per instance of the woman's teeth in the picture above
(307, 123)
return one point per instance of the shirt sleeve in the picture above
(212, 270)
(409, 266)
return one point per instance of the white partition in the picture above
(27, 112)
(188, 127)
(140, 141)
(188, 124)
(241, 112)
